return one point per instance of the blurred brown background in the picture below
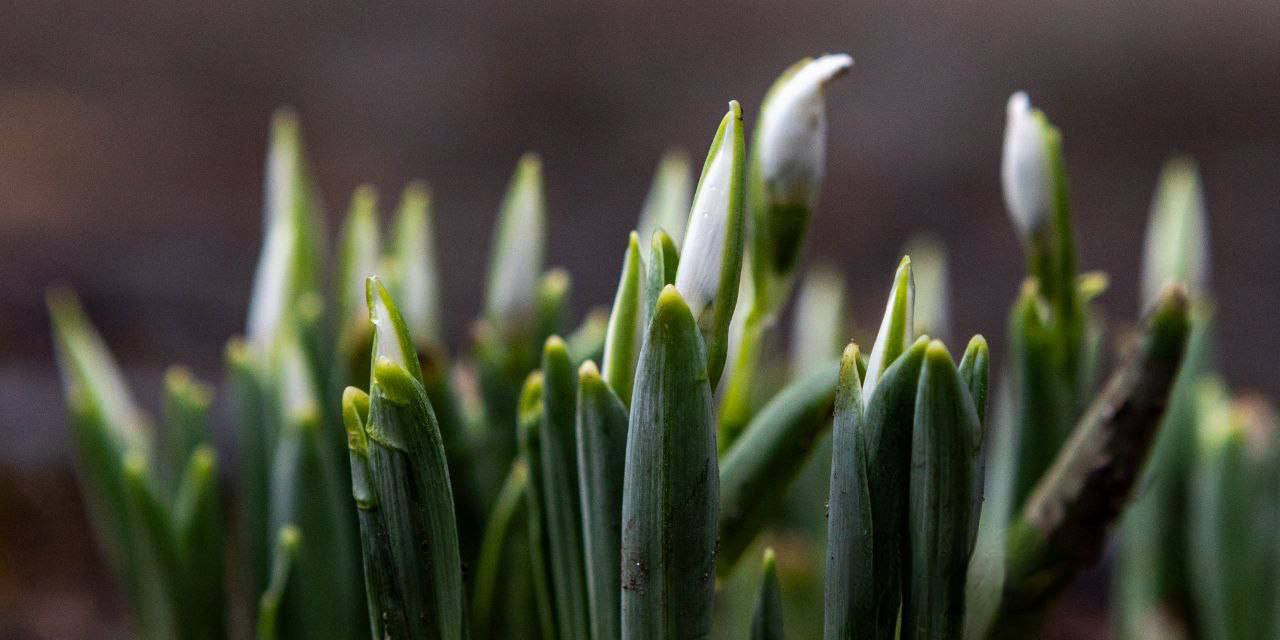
(132, 136)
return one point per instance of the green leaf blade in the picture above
(671, 487)
(757, 470)
(621, 345)
(602, 451)
(943, 467)
(560, 488)
(766, 618)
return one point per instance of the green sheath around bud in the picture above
(711, 254)
(410, 478)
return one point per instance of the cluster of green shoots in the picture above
(606, 478)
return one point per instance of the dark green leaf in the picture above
(671, 487)
(602, 453)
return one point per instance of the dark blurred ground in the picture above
(132, 137)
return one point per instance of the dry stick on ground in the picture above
(1064, 524)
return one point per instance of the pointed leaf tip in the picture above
(896, 329)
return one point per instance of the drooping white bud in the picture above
(1024, 169)
(793, 130)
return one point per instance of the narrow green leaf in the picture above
(622, 342)
(269, 605)
(154, 554)
(411, 479)
(309, 491)
(667, 205)
(660, 271)
(712, 249)
(1064, 523)
(510, 503)
(530, 419)
(887, 431)
(1232, 511)
(91, 376)
(197, 518)
(849, 594)
(944, 451)
(757, 470)
(383, 596)
(186, 414)
(516, 257)
(602, 453)
(560, 488)
(256, 426)
(1044, 416)
(766, 619)
(671, 486)
(896, 329)
(417, 270)
(105, 425)
(974, 372)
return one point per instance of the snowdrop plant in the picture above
(567, 480)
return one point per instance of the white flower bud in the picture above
(703, 250)
(1024, 170)
(793, 130)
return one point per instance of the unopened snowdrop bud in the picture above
(711, 257)
(709, 236)
(793, 131)
(1025, 170)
